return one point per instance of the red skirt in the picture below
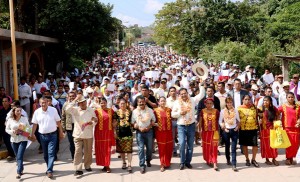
(265, 148)
(209, 147)
(293, 134)
(103, 142)
(165, 146)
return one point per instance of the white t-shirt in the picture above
(46, 119)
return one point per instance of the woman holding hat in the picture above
(291, 121)
(248, 129)
(209, 118)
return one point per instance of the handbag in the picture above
(279, 138)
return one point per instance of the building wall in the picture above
(23, 58)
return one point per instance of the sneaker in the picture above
(50, 175)
(142, 170)
(18, 176)
(10, 158)
(234, 168)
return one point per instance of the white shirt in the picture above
(170, 102)
(236, 119)
(261, 100)
(80, 117)
(282, 98)
(189, 117)
(46, 119)
(38, 87)
(237, 98)
(139, 114)
(24, 91)
(12, 125)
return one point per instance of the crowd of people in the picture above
(157, 97)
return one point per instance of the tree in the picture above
(82, 32)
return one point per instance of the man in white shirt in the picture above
(277, 86)
(268, 92)
(282, 96)
(170, 103)
(47, 118)
(184, 112)
(39, 85)
(84, 120)
(25, 94)
(143, 119)
(221, 94)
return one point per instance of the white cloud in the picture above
(152, 6)
(128, 20)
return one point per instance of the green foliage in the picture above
(4, 14)
(247, 32)
(82, 26)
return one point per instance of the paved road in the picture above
(35, 169)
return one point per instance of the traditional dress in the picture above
(104, 136)
(249, 126)
(266, 150)
(124, 131)
(164, 135)
(210, 135)
(289, 119)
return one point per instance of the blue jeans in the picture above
(233, 135)
(144, 139)
(71, 141)
(49, 142)
(174, 127)
(186, 135)
(19, 149)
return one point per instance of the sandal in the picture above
(268, 162)
(287, 162)
(124, 165)
(162, 168)
(129, 169)
(108, 170)
(254, 163)
(292, 161)
(209, 164)
(275, 162)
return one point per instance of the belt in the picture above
(145, 131)
(188, 124)
(54, 132)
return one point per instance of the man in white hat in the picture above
(282, 96)
(254, 94)
(277, 86)
(84, 120)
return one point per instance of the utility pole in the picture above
(13, 49)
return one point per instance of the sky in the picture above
(141, 12)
